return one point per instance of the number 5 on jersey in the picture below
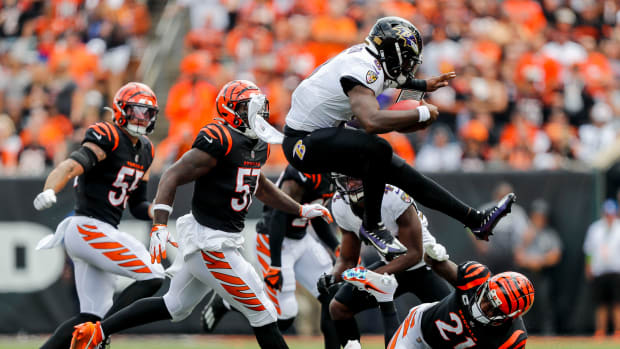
(244, 188)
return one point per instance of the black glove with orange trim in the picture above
(273, 278)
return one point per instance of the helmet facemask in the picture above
(352, 189)
(242, 118)
(491, 316)
(139, 118)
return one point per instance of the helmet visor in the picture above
(140, 114)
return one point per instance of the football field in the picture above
(295, 342)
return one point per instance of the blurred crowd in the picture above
(537, 81)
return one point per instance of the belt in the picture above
(291, 132)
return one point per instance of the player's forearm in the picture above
(446, 269)
(62, 174)
(325, 233)
(277, 230)
(383, 121)
(271, 196)
(342, 264)
(166, 191)
(399, 264)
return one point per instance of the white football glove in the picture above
(160, 237)
(315, 210)
(45, 199)
(436, 251)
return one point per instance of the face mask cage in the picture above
(241, 111)
(494, 316)
(140, 118)
(351, 189)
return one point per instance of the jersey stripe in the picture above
(216, 130)
(152, 148)
(98, 130)
(104, 126)
(117, 255)
(114, 135)
(511, 340)
(228, 138)
(206, 130)
(473, 283)
(475, 272)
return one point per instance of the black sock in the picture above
(269, 337)
(61, 338)
(347, 330)
(133, 292)
(285, 324)
(142, 312)
(429, 193)
(390, 320)
(378, 154)
(330, 335)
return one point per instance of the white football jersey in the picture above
(319, 101)
(395, 202)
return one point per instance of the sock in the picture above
(269, 337)
(285, 324)
(330, 335)
(430, 194)
(135, 291)
(390, 320)
(347, 330)
(61, 338)
(142, 312)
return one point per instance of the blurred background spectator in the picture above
(601, 247)
(539, 251)
(499, 252)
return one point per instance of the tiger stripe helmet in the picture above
(511, 295)
(135, 102)
(232, 104)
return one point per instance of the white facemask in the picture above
(258, 125)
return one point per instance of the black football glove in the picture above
(273, 278)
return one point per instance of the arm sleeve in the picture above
(277, 230)
(138, 204)
(471, 275)
(517, 340)
(325, 233)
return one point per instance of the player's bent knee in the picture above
(177, 309)
(285, 324)
(381, 149)
(339, 311)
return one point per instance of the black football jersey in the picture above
(222, 196)
(449, 323)
(317, 190)
(103, 191)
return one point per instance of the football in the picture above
(406, 104)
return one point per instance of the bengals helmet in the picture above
(510, 295)
(135, 108)
(397, 44)
(232, 105)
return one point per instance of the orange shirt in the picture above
(190, 103)
(400, 145)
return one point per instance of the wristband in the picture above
(162, 207)
(423, 113)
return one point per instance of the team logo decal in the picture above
(371, 77)
(406, 198)
(408, 37)
(299, 150)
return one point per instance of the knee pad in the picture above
(177, 309)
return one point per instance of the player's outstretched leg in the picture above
(61, 339)
(269, 336)
(430, 194)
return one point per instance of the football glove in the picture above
(310, 211)
(273, 278)
(45, 199)
(325, 282)
(160, 237)
(436, 251)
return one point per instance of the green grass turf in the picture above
(244, 342)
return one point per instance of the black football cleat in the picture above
(383, 241)
(492, 216)
(213, 312)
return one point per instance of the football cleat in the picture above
(353, 345)
(382, 287)
(213, 312)
(87, 336)
(492, 216)
(383, 241)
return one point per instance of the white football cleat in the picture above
(382, 287)
(353, 345)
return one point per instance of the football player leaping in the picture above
(111, 170)
(484, 311)
(225, 163)
(286, 254)
(346, 87)
(403, 219)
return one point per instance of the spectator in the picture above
(598, 135)
(602, 268)
(498, 252)
(539, 251)
(441, 153)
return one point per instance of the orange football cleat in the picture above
(87, 336)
